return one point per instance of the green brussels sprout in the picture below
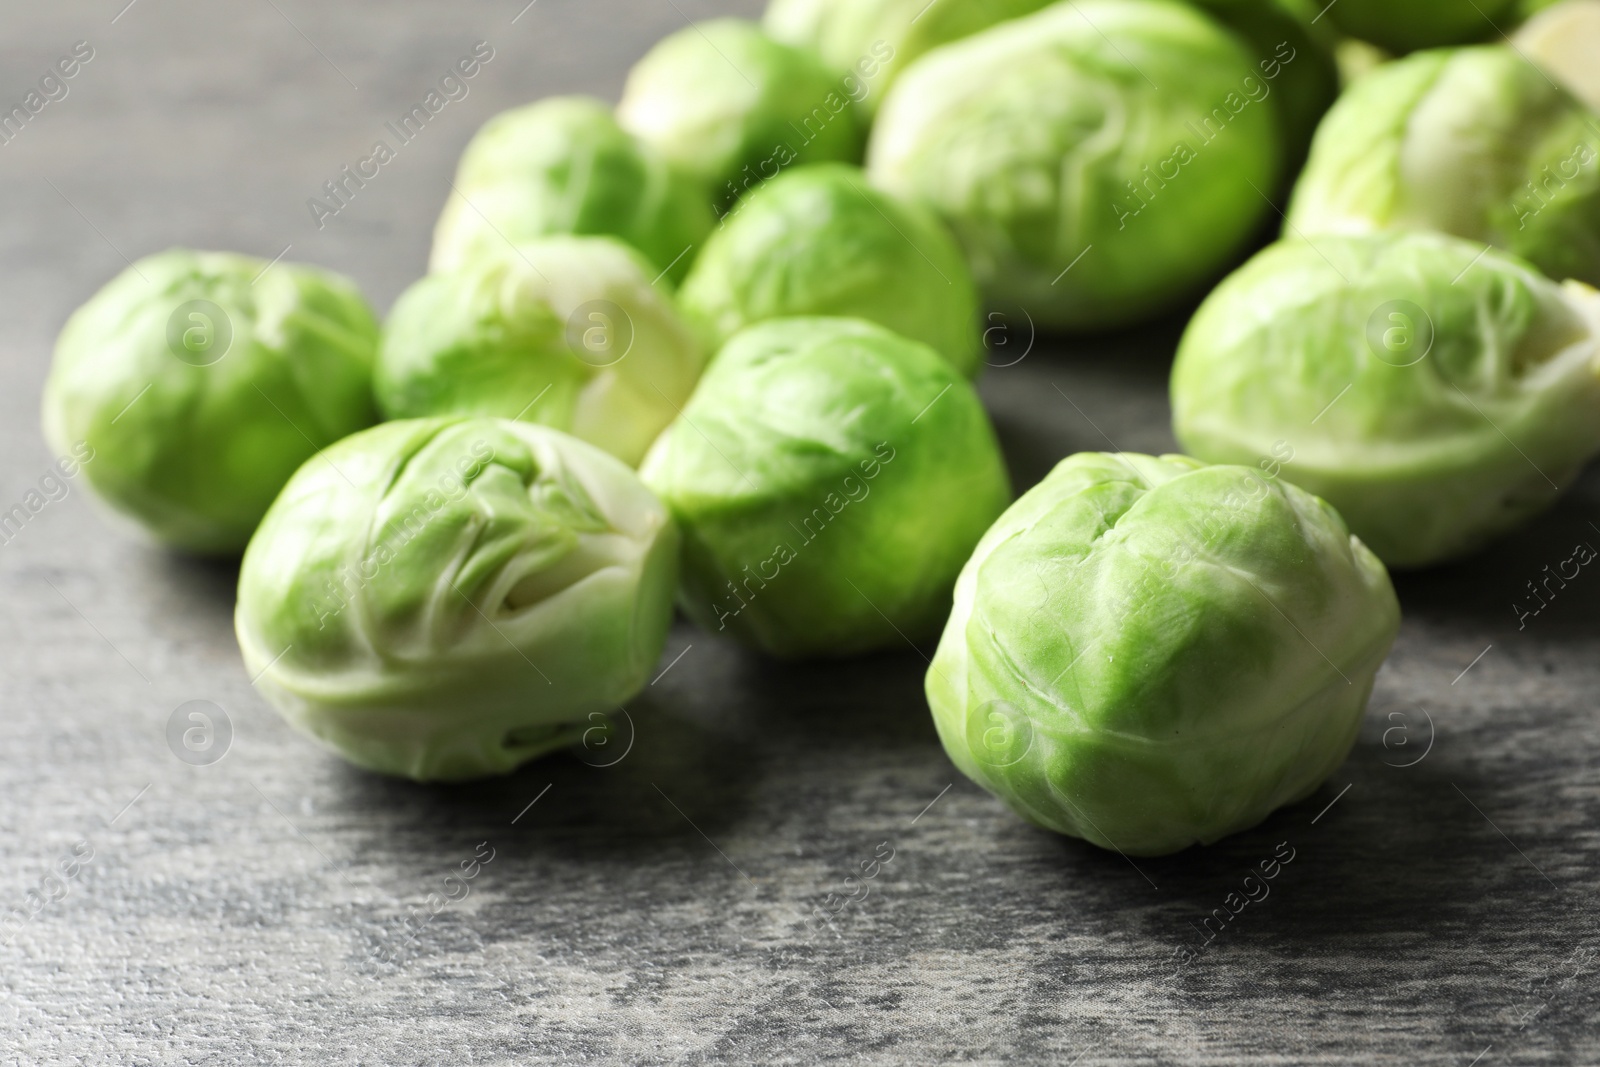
(727, 104)
(820, 241)
(1415, 24)
(564, 166)
(1475, 142)
(1437, 393)
(1151, 653)
(567, 331)
(1044, 141)
(200, 381)
(830, 478)
(873, 40)
(448, 598)
(1564, 40)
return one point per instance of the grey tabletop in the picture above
(1433, 906)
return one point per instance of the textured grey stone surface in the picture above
(655, 911)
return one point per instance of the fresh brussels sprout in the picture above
(200, 381)
(1134, 136)
(447, 598)
(873, 40)
(567, 331)
(564, 166)
(1151, 653)
(727, 104)
(820, 241)
(1476, 142)
(830, 478)
(1415, 24)
(1565, 41)
(1437, 393)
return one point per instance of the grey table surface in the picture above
(1436, 911)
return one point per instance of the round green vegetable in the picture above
(1417, 24)
(1437, 393)
(1151, 653)
(448, 598)
(567, 331)
(873, 40)
(1097, 160)
(727, 104)
(820, 241)
(830, 478)
(1474, 142)
(202, 380)
(564, 166)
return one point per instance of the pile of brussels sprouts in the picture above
(714, 347)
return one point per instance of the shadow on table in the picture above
(1096, 393)
(1403, 854)
(1533, 569)
(680, 765)
(209, 578)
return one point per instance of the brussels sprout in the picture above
(1133, 135)
(1417, 24)
(1149, 653)
(567, 331)
(1475, 142)
(727, 104)
(820, 241)
(1437, 393)
(448, 598)
(873, 40)
(199, 381)
(1564, 40)
(564, 166)
(830, 478)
